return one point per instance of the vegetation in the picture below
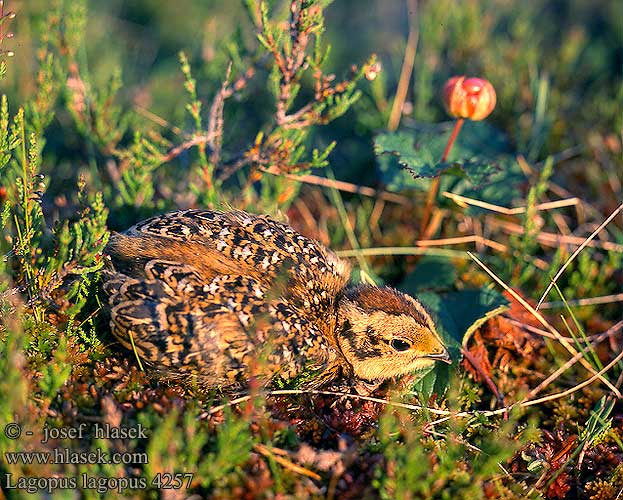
(329, 115)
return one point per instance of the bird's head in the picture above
(385, 333)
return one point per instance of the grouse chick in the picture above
(216, 297)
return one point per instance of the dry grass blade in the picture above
(554, 240)
(274, 454)
(293, 392)
(594, 340)
(445, 414)
(342, 186)
(138, 359)
(539, 317)
(543, 333)
(407, 67)
(373, 252)
(463, 239)
(575, 388)
(463, 201)
(591, 301)
(577, 252)
(158, 119)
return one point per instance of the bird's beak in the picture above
(442, 356)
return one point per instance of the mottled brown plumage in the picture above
(217, 297)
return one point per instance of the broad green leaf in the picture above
(471, 308)
(437, 379)
(444, 319)
(457, 315)
(480, 164)
(422, 159)
(431, 273)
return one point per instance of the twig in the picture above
(215, 121)
(214, 134)
(197, 140)
(577, 252)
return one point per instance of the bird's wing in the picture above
(237, 243)
(164, 321)
(213, 331)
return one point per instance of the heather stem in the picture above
(434, 186)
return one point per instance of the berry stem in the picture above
(457, 127)
(434, 186)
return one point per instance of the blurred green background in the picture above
(556, 66)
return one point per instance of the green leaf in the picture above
(481, 164)
(437, 379)
(471, 308)
(431, 273)
(421, 158)
(444, 320)
(457, 315)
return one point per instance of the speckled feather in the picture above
(236, 242)
(185, 317)
(219, 296)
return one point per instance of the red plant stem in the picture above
(434, 186)
(457, 127)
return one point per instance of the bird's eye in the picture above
(400, 345)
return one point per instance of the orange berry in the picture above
(472, 98)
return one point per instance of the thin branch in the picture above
(215, 120)
(196, 140)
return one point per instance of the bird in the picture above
(217, 298)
